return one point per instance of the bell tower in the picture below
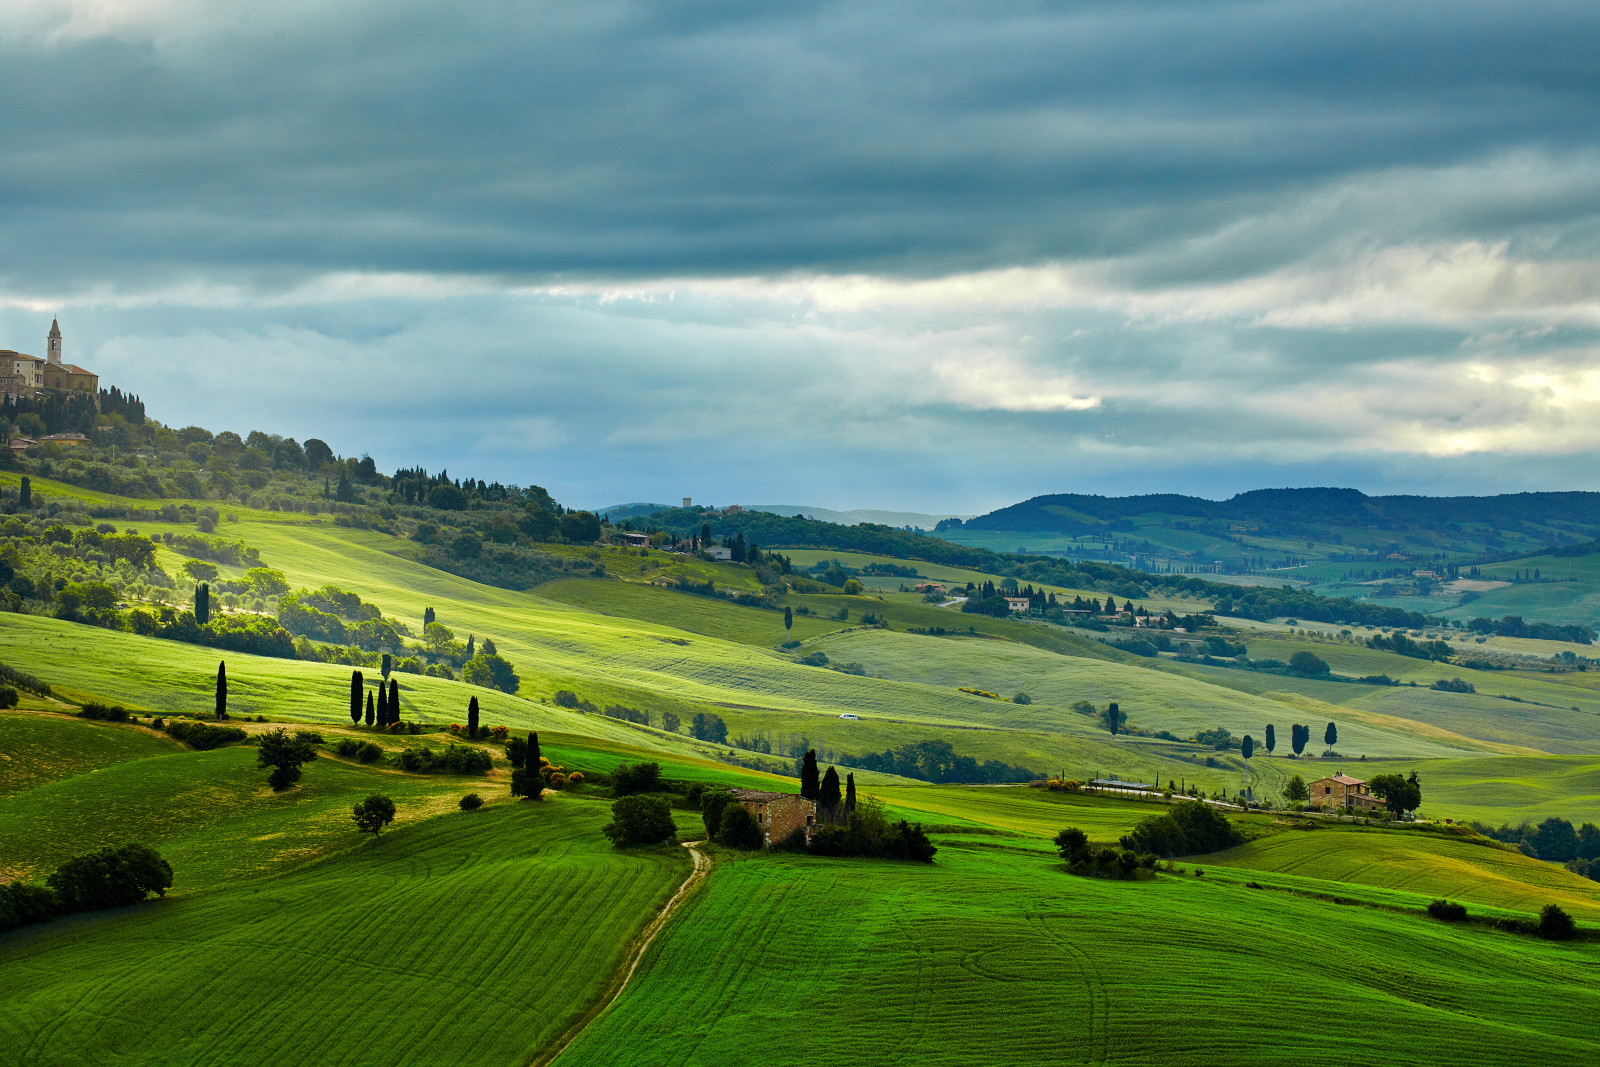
(54, 345)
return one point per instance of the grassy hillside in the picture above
(470, 938)
(33, 752)
(992, 955)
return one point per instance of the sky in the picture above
(932, 257)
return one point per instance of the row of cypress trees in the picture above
(825, 791)
(380, 712)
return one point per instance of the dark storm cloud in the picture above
(706, 138)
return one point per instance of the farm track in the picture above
(702, 866)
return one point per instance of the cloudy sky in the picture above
(928, 256)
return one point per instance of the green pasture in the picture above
(1023, 810)
(993, 955)
(696, 614)
(31, 752)
(467, 938)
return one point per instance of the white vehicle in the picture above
(847, 715)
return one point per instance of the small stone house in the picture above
(1342, 791)
(636, 540)
(777, 814)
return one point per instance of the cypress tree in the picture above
(1272, 739)
(25, 493)
(357, 684)
(808, 775)
(427, 616)
(828, 795)
(372, 714)
(533, 750)
(471, 641)
(849, 794)
(202, 603)
(788, 618)
(472, 717)
(394, 700)
(383, 705)
(1331, 735)
(222, 689)
(388, 664)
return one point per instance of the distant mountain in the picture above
(1072, 512)
(851, 518)
(620, 512)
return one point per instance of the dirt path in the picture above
(624, 974)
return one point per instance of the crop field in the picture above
(466, 938)
(992, 955)
(1023, 810)
(32, 752)
(1426, 864)
(698, 615)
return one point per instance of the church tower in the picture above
(54, 346)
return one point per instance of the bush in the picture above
(110, 878)
(369, 753)
(527, 782)
(1022, 698)
(737, 829)
(1073, 844)
(23, 905)
(456, 759)
(203, 737)
(627, 780)
(116, 713)
(1190, 827)
(1555, 924)
(1448, 911)
(712, 804)
(347, 747)
(640, 821)
(8, 697)
(1308, 664)
(471, 802)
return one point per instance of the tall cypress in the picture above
(472, 717)
(387, 664)
(788, 618)
(828, 794)
(357, 684)
(372, 714)
(202, 603)
(808, 775)
(1272, 739)
(25, 493)
(222, 689)
(394, 700)
(849, 794)
(533, 750)
(471, 641)
(427, 616)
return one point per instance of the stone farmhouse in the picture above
(1342, 791)
(24, 375)
(778, 814)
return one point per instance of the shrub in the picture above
(22, 904)
(737, 829)
(527, 782)
(369, 753)
(471, 802)
(712, 804)
(1022, 698)
(1555, 924)
(1073, 844)
(110, 878)
(1448, 911)
(8, 697)
(627, 780)
(201, 736)
(1188, 828)
(640, 821)
(116, 713)
(347, 747)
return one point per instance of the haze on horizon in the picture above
(903, 256)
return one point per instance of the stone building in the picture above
(25, 375)
(777, 814)
(1342, 791)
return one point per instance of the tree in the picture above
(526, 781)
(202, 603)
(222, 690)
(1247, 747)
(358, 683)
(1398, 794)
(346, 493)
(388, 665)
(1555, 924)
(371, 712)
(1555, 839)
(471, 641)
(110, 878)
(849, 795)
(427, 616)
(1113, 718)
(317, 453)
(285, 753)
(534, 755)
(1307, 664)
(1299, 736)
(25, 493)
(1073, 844)
(472, 717)
(1272, 739)
(373, 814)
(1295, 790)
(641, 821)
(394, 700)
(737, 829)
(828, 797)
(491, 672)
(809, 786)
(1330, 736)
(788, 618)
